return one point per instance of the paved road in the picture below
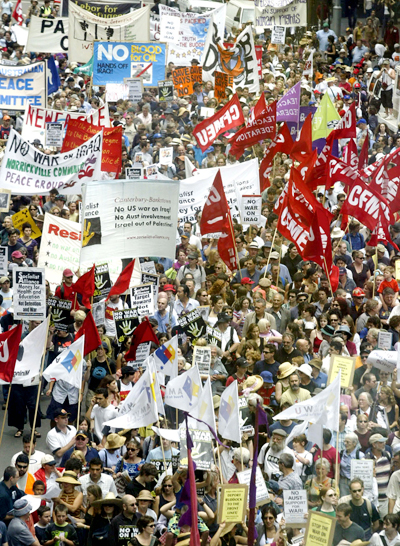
(11, 445)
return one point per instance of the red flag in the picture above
(317, 177)
(142, 333)
(319, 246)
(290, 225)
(227, 247)
(363, 159)
(89, 329)
(121, 285)
(228, 117)
(86, 287)
(216, 208)
(334, 277)
(9, 345)
(17, 13)
(301, 200)
(347, 125)
(79, 131)
(262, 124)
(302, 147)
(283, 142)
(350, 154)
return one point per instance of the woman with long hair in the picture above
(360, 270)
(212, 259)
(145, 537)
(316, 336)
(105, 510)
(387, 400)
(329, 499)
(165, 500)
(109, 382)
(93, 493)
(131, 461)
(266, 531)
(217, 303)
(315, 483)
(241, 308)
(68, 496)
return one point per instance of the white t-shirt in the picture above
(7, 298)
(34, 463)
(57, 439)
(100, 416)
(109, 316)
(269, 459)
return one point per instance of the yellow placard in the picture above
(320, 529)
(347, 366)
(23, 216)
(232, 503)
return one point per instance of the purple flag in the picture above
(294, 126)
(288, 106)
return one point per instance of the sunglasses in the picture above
(356, 490)
(131, 449)
(22, 467)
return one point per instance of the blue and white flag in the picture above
(53, 78)
(68, 366)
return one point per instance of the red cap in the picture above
(168, 287)
(67, 273)
(246, 280)
(357, 85)
(358, 293)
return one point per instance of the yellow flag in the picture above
(325, 118)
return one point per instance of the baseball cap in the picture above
(274, 255)
(342, 270)
(82, 433)
(169, 287)
(4, 279)
(377, 438)
(185, 235)
(242, 362)
(47, 459)
(357, 86)
(380, 248)
(6, 117)
(62, 413)
(17, 254)
(67, 273)
(246, 280)
(362, 120)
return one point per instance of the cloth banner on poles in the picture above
(23, 85)
(48, 35)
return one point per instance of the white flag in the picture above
(155, 386)
(296, 431)
(184, 391)
(27, 367)
(228, 417)
(204, 410)
(323, 408)
(166, 358)
(142, 414)
(142, 385)
(308, 67)
(68, 366)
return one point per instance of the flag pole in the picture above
(176, 419)
(234, 240)
(162, 447)
(5, 414)
(219, 465)
(327, 274)
(269, 255)
(216, 464)
(375, 269)
(39, 388)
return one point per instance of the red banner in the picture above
(229, 116)
(215, 211)
(226, 247)
(283, 142)
(79, 132)
(350, 154)
(302, 147)
(347, 125)
(261, 125)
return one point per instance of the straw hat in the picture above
(254, 383)
(110, 498)
(337, 233)
(114, 441)
(145, 495)
(68, 477)
(285, 370)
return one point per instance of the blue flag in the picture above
(53, 78)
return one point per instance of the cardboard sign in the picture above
(245, 417)
(385, 340)
(148, 267)
(278, 35)
(151, 172)
(196, 74)
(165, 90)
(151, 278)
(143, 299)
(98, 312)
(166, 156)
(202, 448)
(205, 311)
(135, 88)
(347, 365)
(383, 360)
(184, 77)
(24, 216)
(251, 209)
(54, 134)
(125, 321)
(29, 298)
(60, 313)
(262, 494)
(363, 469)
(5, 197)
(169, 28)
(232, 502)
(213, 336)
(133, 173)
(295, 506)
(193, 324)
(222, 81)
(320, 529)
(3, 260)
(202, 358)
(102, 282)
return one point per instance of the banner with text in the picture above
(29, 293)
(23, 85)
(291, 15)
(47, 35)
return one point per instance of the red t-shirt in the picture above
(69, 294)
(385, 284)
(330, 455)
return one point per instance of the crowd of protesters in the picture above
(279, 321)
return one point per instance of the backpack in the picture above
(357, 454)
(347, 498)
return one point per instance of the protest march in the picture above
(199, 273)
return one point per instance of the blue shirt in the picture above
(321, 380)
(7, 498)
(91, 453)
(356, 241)
(345, 461)
(163, 321)
(323, 38)
(283, 273)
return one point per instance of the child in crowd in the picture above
(44, 516)
(61, 533)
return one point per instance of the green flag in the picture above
(85, 68)
(325, 118)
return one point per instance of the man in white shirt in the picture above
(184, 303)
(114, 304)
(60, 438)
(193, 240)
(101, 411)
(36, 456)
(97, 477)
(268, 458)
(196, 270)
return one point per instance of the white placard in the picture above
(47, 35)
(135, 88)
(54, 134)
(261, 489)
(148, 267)
(251, 209)
(142, 297)
(170, 27)
(292, 15)
(116, 91)
(295, 506)
(207, 112)
(278, 35)
(29, 298)
(166, 156)
(385, 340)
(134, 173)
(98, 312)
(3, 260)
(383, 360)
(363, 469)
